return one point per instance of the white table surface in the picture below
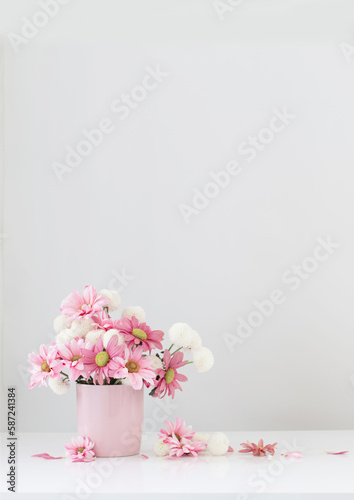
(241, 475)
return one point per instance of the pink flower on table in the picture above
(259, 449)
(44, 365)
(88, 304)
(136, 333)
(80, 449)
(179, 439)
(137, 368)
(177, 429)
(70, 352)
(168, 376)
(103, 363)
(184, 447)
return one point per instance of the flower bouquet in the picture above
(111, 360)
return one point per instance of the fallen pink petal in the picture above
(295, 455)
(230, 449)
(336, 453)
(46, 456)
(144, 456)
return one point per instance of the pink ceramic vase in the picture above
(112, 417)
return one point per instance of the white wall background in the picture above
(120, 207)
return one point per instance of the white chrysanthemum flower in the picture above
(203, 359)
(156, 362)
(136, 311)
(182, 335)
(113, 297)
(93, 336)
(109, 334)
(82, 326)
(126, 381)
(61, 322)
(58, 386)
(195, 343)
(65, 336)
(160, 448)
(218, 444)
(200, 436)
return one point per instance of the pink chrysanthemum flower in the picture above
(259, 449)
(184, 447)
(70, 352)
(136, 333)
(105, 322)
(103, 363)
(168, 376)
(87, 304)
(177, 429)
(80, 449)
(44, 365)
(138, 368)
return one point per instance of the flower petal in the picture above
(294, 454)
(46, 456)
(336, 453)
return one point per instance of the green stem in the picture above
(189, 362)
(176, 350)
(170, 347)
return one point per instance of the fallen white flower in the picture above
(218, 444)
(201, 436)
(160, 448)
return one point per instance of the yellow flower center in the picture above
(139, 334)
(170, 375)
(101, 358)
(76, 358)
(45, 367)
(80, 450)
(132, 366)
